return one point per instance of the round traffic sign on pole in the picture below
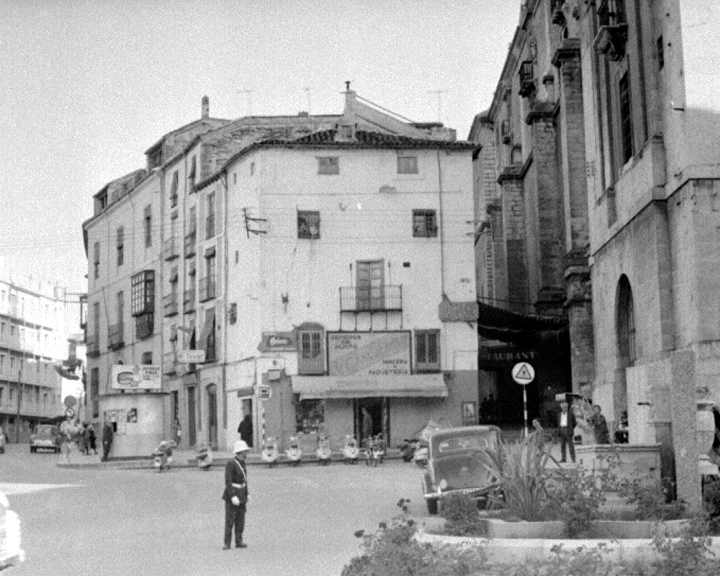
(523, 374)
(70, 401)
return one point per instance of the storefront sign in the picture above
(135, 377)
(373, 354)
(278, 342)
(264, 392)
(191, 356)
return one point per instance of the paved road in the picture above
(118, 522)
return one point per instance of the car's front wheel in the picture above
(32, 449)
(432, 506)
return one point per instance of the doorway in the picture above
(377, 409)
(212, 416)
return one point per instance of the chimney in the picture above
(205, 110)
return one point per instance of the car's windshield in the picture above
(45, 430)
(471, 442)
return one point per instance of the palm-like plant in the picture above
(519, 468)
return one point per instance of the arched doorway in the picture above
(212, 416)
(626, 348)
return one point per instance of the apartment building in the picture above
(33, 339)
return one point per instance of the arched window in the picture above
(626, 323)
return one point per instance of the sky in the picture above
(86, 86)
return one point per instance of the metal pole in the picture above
(19, 400)
(525, 413)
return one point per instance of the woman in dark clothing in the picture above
(600, 427)
(246, 430)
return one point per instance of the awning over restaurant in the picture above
(402, 386)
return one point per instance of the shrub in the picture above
(520, 470)
(462, 517)
(575, 498)
(689, 555)
(393, 551)
(577, 562)
(651, 498)
(711, 502)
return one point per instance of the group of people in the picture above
(567, 422)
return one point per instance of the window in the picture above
(210, 221)
(311, 359)
(427, 350)
(147, 226)
(192, 174)
(407, 164)
(207, 284)
(142, 293)
(328, 165)
(174, 190)
(96, 260)
(424, 224)
(308, 224)
(626, 323)
(120, 245)
(660, 53)
(147, 358)
(95, 391)
(626, 132)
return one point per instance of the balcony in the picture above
(116, 334)
(189, 301)
(385, 298)
(144, 326)
(170, 249)
(93, 345)
(207, 288)
(190, 249)
(527, 79)
(210, 350)
(170, 304)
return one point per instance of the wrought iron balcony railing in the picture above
(384, 298)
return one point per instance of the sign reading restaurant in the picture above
(370, 354)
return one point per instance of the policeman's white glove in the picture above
(235, 500)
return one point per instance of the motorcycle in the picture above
(408, 449)
(204, 458)
(323, 451)
(270, 453)
(294, 452)
(162, 457)
(350, 450)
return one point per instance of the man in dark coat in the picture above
(246, 430)
(235, 496)
(107, 438)
(566, 429)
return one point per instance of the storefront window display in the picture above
(309, 416)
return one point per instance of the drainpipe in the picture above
(441, 224)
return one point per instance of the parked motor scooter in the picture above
(350, 450)
(378, 450)
(408, 449)
(294, 452)
(323, 451)
(204, 458)
(162, 457)
(270, 453)
(421, 455)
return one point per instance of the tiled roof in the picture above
(365, 139)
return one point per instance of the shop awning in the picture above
(404, 386)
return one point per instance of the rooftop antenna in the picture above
(439, 101)
(308, 99)
(249, 97)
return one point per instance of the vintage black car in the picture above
(454, 465)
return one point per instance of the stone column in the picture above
(513, 216)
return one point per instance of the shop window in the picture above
(427, 350)
(147, 358)
(309, 416)
(311, 359)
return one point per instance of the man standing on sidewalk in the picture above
(235, 496)
(566, 428)
(107, 438)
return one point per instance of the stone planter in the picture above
(632, 461)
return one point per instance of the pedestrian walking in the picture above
(236, 496)
(599, 425)
(79, 437)
(566, 429)
(66, 435)
(107, 439)
(178, 432)
(90, 438)
(538, 434)
(245, 429)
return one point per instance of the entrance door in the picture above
(192, 438)
(370, 287)
(212, 416)
(375, 408)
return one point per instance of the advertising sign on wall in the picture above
(278, 342)
(369, 353)
(135, 377)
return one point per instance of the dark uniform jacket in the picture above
(235, 481)
(571, 422)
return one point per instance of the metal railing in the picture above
(170, 304)
(207, 288)
(385, 298)
(116, 333)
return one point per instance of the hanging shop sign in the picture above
(135, 377)
(369, 353)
